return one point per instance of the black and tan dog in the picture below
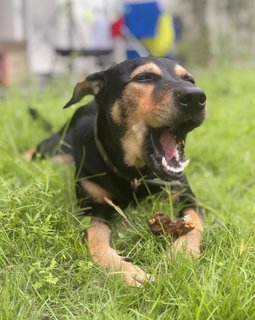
(130, 139)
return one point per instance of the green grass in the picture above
(45, 270)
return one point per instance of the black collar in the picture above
(104, 155)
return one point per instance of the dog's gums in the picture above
(165, 153)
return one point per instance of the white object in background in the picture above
(11, 21)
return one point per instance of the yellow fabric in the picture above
(163, 41)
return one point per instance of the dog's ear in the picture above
(92, 85)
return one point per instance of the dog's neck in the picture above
(103, 153)
(136, 180)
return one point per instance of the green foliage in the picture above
(45, 270)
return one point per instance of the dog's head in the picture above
(152, 104)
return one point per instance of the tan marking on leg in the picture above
(148, 67)
(28, 155)
(116, 113)
(190, 242)
(62, 159)
(95, 191)
(98, 239)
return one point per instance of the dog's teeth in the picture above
(179, 169)
(176, 170)
(185, 164)
(164, 162)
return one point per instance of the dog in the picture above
(130, 140)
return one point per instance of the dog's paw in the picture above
(188, 244)
(28, 155)
(135, 276)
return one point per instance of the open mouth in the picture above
(165, 152)
(171, 152)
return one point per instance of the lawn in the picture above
(45, 270)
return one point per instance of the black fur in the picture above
(77, 138)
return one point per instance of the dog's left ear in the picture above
(91, 85)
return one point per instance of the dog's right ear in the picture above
(91, 85)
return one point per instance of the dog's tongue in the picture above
(168, 144)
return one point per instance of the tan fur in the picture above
(190, 242)
(116, 113)
(142, 105)
(148, 67)
(95, 191)
(138, 99)
(142, 111)
(28, 155)
(98, 239)
(63, 159)
(60, 158)
(132, 145)
(82, 89)
(180, 71)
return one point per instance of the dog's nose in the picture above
(191, 99)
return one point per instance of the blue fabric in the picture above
(132, 54)
(141, 19)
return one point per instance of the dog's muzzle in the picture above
(192, 100)
(165, 146)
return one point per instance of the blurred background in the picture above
(44, 39)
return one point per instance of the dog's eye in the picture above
(189, 78)
(146, 77)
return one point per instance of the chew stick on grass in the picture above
(162, 224)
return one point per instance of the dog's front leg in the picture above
(190, 242)
(98, 240)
